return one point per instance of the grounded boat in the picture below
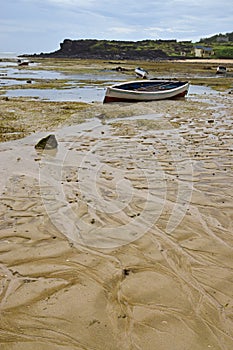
(146, 90)
(221, 70)
(23, 63)
(141, 73)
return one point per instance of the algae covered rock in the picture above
(48, 142)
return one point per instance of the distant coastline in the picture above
(219, 46)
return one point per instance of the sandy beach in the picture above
(121, 238)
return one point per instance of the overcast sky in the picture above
(34, 26)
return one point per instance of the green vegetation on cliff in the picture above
(221, 44)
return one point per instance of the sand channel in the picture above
(122, 237)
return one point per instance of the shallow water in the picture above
(11, 82)
(201, 90)
(83, 93)
(12, 70)
(84, 87)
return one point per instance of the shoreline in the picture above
(208, 60)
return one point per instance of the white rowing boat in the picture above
(146, 90)
(141, 73)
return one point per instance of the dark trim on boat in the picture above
(108, 99)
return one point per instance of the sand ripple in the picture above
(122, 239)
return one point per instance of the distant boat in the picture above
(141, 73)
(221, 70)
(146, 90)
(23, 63)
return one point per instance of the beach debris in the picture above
(122, 316)
(121, 69)
(126, 272)
(48, 142)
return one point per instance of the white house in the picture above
(202, 51)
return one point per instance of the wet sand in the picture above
(122, 237)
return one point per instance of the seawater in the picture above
(81, 87)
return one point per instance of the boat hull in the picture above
(221, 70)
(117, 93)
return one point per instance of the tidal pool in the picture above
(80, 86)
(82, 94)
(86, 93)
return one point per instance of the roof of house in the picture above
(203, 48)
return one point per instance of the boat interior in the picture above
(150, 85)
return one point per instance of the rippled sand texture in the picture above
(122, 239)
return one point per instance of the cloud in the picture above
(73, 3)
(167, 30)
(122, 30)
(50, 21)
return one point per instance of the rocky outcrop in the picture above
(104, 49)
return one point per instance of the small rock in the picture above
(100, 116)
(126, 272)
(48, 142)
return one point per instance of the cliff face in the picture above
(138, 50)
(103, 49)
